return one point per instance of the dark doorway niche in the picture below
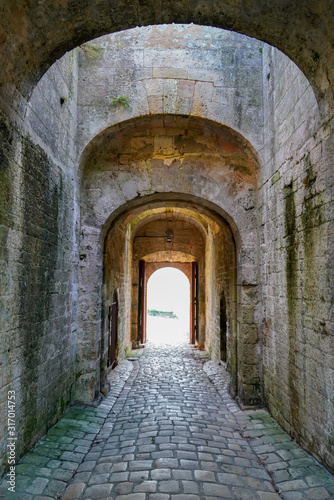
(113, 333)
(223, 328)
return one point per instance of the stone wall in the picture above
(224, 287)
(296, 258)
(246, 101)
(116, 277)
(163, 70)
(38, 294)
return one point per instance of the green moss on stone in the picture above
(291, 271)
(122, 100)
(312, 217)
(92, 51)
(41, 200)
(275, 178)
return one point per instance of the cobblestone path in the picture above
(168, 430)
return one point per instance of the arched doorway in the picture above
(168, 306)
(178, 220)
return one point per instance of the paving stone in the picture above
(160, 474)
(124, 488)
(73, 491)
(139, 476)
(120, 467)
(133, 496)
(98, 478)
(185, 497)
(64, 475)
(189, 464)
(166, 463)
(268, 496)
(244, 493)
(293, 495)
(170, 435)
(54, 488)
(217, 490)
(140, 464)
(146, 487)
(38, 485)
(170, 486)
(225, 478)
(159, 496)
(209, 466)
(182, 474)
(203, 475)
(190, 487)
(317, 494)
(296, 484)
(81, 477)
(98, 491)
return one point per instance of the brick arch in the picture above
(116, 234)
(34, 37)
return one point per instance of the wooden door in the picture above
(113, 333)
(142, 300)
(223, 327)
(194, 303)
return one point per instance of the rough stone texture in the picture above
(165, 431)
(291, 165)
(224, 86)
(38, 290)
(297, 230)
(194, 161)
(33, 37)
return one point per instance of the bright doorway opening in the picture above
(168, 307)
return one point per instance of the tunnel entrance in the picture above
(172, 235)
(168, 307)
(166, 170)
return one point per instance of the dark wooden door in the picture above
(142, 299)
(113, 337)
(194, 304)
(223, 327)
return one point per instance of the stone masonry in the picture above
(171, 431)
(100, 136)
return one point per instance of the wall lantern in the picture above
(169, 235)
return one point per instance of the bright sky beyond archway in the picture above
(168, 289)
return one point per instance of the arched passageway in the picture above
(280, 215)
(179, 235)
(302, 30)
(178, 224)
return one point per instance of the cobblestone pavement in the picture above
(168, 430)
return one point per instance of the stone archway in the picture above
(38, 153)
(219, 269)
(189, 167)
(301, 30)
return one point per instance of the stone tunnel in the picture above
(128, 143)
